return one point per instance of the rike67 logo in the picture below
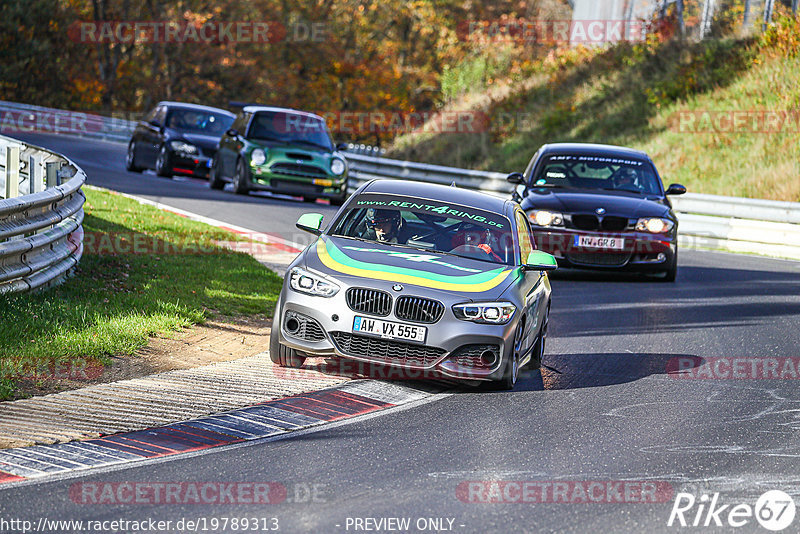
(774, 510)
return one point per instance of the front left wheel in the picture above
(511, 374)
(538, 348)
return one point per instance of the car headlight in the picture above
(311, 284)
(258, 157)
(546, 218)
(337, 166)
(485, 312)
(654, 225)
(182, 146)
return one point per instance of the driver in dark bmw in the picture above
(600, 207)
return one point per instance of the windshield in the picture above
(430, 226)
(597, 172)
(291, 128)
(198, 121)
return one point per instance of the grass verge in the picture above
(119, 297)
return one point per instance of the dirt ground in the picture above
(216, 341)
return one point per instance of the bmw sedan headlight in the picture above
(546, 218)
(184, 147)
(654, 225)
(311, 284)
(258, 157)
(337, 166)
(485, 312)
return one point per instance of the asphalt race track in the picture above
(605, 409)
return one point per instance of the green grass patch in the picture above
(116, 301)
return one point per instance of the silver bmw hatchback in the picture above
(431, 280)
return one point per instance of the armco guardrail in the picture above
(26, 118)
(41, 237)
(706, 221)
(765, 227)
(365, 168)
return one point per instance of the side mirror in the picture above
(153, 122)
(232, 132)
(676, 189)
(515, 178)
(540, 261)
(310, 222)
(341, 147)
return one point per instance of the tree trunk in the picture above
(707, 17)
(767, 14)
(746, 20)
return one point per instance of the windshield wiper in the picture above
(428, 250)
(553, 186)
(365, 240)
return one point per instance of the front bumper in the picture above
(452, 349)
(641, 252)
(318, 187)
(191, 165)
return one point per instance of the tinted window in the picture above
(198, 121)
(597, 172)
(429, 226)
(290, 128)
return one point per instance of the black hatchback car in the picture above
(600, 207)
(177, 138)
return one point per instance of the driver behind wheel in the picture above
(626, 178)
(472, 236)
(386, 225)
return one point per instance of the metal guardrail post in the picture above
(52, 174)
(12, 171)
(34, 175)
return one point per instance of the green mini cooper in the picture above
(282, 151)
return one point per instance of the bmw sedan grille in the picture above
(369, 301)
(418, 310)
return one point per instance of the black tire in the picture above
(164, 162)
(241, 178)
(215, 181)
(281, 354)
(541, 340)
(511, 372)
(130, 158)
(672, 272)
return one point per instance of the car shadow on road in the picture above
(588, 370)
